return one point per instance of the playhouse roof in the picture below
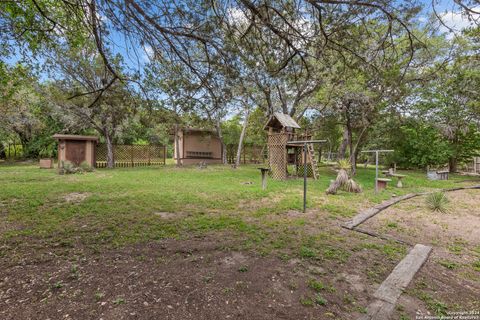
(74, 137)
(281, 120)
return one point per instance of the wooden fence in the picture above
(473, 166)
(131, 155)
(250, 154)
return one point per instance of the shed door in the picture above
(76, 151)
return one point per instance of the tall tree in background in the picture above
(451, 103)
(80, 99)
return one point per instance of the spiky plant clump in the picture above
(352, 186)
(437, 202)
(344, 164)
(343, 181)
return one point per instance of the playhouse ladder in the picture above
(313, 161)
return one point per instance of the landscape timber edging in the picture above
(366, 214)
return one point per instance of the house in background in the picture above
(198, 145)
(76, 149)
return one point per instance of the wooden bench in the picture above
(382, 183)
(437, 174)
(442, 175)
(199, 154)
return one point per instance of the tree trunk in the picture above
(343, 145)
(177, 146)
(220, 136)
(354, 150)
(109, 143)
(452, 164)
(353, 163)
(242, 135)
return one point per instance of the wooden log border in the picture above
(366, 214)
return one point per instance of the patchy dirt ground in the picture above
(125, 244)
(201, 278)
(76, 196)
(450, 280)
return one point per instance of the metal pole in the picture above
(264, 180)
(376, 171)
(305, 178)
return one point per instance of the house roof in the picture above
(73, 137)
(283, 119)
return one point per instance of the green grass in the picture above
(448, 264)
(306, 301)
(135, 205)
(439, 308)
(319, 300)
(120, 206)
(476, 265)
(316, 285)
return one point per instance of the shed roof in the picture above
(283, 119)
(74, 137)
(189, 129)
(194, 130)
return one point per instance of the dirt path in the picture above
(450, 280)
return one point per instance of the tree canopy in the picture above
(357, 73)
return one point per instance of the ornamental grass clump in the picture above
(437, 202)
(343, 180)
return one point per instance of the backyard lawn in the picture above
(180, 243)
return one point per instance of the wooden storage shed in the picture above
(198, 145)
(76, 149)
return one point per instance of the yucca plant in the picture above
(344, 164)
(437, 202)
(343, 181)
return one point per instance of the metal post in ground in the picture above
(304, 177)
(376, 164)
(376, 171)
(305, 143)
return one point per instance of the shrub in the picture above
(68, 167)
(437, 201)
(86, 167)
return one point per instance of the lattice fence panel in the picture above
(277, 155)
(251, 153)
(131, 155)
(300, 164)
